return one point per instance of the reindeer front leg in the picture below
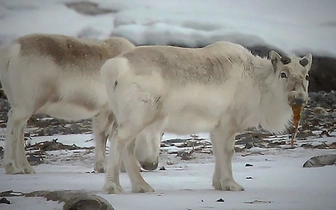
(223, 141)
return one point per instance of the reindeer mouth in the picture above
(296, 109)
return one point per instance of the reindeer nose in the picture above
(299, 101)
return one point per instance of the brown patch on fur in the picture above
(203, 67)
(65, 50)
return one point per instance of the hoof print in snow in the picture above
(4, 200)
(162, 168)
(248, 165)
(321, 160)
(88, 8)
(220, 200)
(74, 199)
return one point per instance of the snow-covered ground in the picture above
(278, 181)
(291, 26)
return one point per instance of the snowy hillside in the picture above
(290, 26)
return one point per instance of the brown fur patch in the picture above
(199, 65)
(66, 51)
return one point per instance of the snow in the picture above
(292, 26)
(278, 181)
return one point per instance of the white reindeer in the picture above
(222, 89)
(59, 76)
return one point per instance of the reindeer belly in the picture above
(76, 102)
(194, 110)
(188, 123)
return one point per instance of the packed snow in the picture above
(292, 26)
(276, 180)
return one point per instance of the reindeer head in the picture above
(292, 74)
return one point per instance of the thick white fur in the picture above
(222, 89)
(59, 76)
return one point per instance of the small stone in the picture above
(248, 145)
(320, 161)
(248, 165)
(4, 200)
(249, 177)
(238, 149)
(162, 168)
(332, 145)
(220, 200)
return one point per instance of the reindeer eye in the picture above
(283, 75)
(307, 77)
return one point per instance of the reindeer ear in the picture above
(306, 61)
(275, 58)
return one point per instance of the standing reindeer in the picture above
(222, 89)
(59, 76)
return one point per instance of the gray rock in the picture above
(321, 160)
(88, 8)
(74, 199)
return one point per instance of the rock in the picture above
(238, 149)
(54, 145)
(276, 144)
(88, 8)
(1, 152)
(35, 159)
(4, 200)
(74, 199)
(162, 168)
(220, 200)
(248, 165)
(249, 177)
(10, 193)
(185, 155)
(322, 74)
(307, 146)
(257, 201)
(248, 145)
(332, 145)
(321, 160)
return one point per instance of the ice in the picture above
(278, 181)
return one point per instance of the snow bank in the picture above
(291, 26)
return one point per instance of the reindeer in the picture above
(59, 76)
(222, 89)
